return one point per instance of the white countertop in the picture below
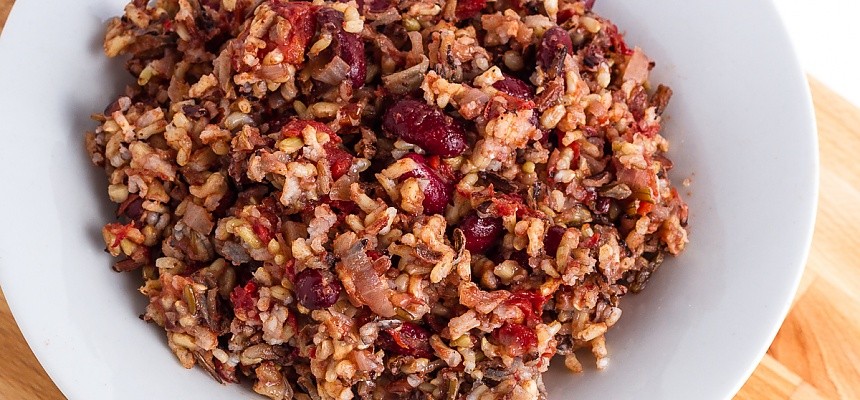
(826, 35)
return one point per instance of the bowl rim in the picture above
(43, 352)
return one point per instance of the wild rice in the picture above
(421, 199)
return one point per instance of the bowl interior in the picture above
(741, 129)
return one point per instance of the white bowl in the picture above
(741, 128)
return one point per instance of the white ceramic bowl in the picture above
(741, 128)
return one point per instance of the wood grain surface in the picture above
(816, 354)
(5, 7)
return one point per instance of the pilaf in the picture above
(424, 199)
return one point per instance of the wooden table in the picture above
(816, 354)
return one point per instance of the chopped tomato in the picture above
(300, 16)
(592, 241)
(514, 339)
(244, 299)
(339, 160)
(120, 231)
(295, 126)
(530, 303)
(644, 208)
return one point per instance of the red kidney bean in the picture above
(481, 233)
(468, 8)
(408, 339)
(515, 87)
(316, 290)
(426, 126)
(438, 193)
(553, 239)
(348, 46)
(554, 43)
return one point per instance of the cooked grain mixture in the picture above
(422, 199)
